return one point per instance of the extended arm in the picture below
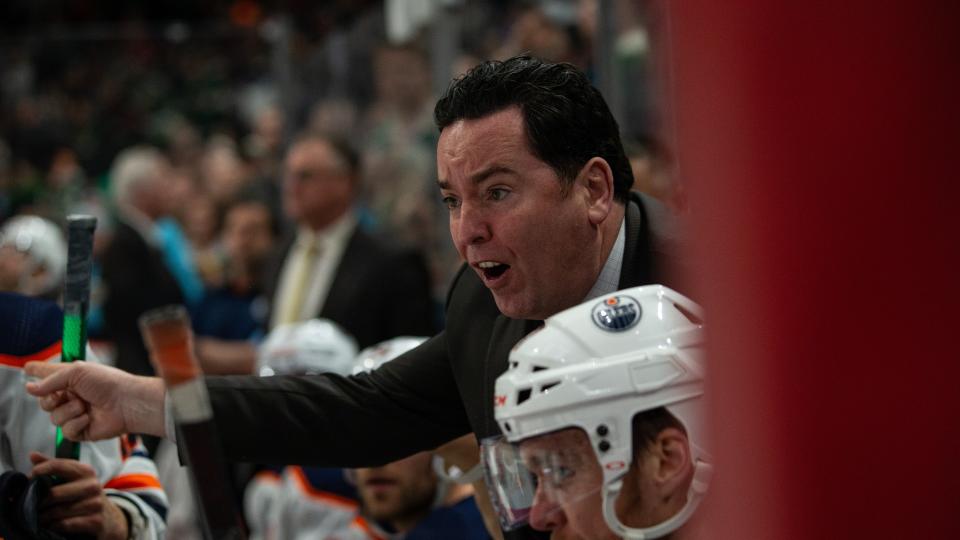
(410, 404)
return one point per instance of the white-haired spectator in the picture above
(135, 276)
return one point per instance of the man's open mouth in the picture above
(491, 269)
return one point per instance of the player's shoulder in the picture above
(31, 325)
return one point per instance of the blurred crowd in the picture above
(213, 98)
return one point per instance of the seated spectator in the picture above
(652, 167)
(33, 257)
(403, 497)
(111, 493)
(237, 310)
(601, 411)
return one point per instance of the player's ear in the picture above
(596, 182)
(673, 463)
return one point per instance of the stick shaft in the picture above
(76, 298)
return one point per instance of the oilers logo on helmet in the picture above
(617, 313)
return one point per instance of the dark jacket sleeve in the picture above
(408, 405)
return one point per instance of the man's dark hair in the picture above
(566, 120)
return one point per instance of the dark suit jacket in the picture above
(137, 280)
(439, 391)
(378, 291)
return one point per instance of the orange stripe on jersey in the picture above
(42, 355)
(133, 481)
(315, 493)
(362, 524)
(267, 476)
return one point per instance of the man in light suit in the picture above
(531, 166)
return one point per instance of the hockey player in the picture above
(33, 257)
(112, 492)
(604, 435)
(406, 498)
(401, 499)
(302, 502)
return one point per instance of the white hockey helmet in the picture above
(312, 346)
(375, 356)
(594, 367)
(43, 243)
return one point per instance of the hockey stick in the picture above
(167, 334)
(76, 299)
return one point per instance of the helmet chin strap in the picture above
(698, 488)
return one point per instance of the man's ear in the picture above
(673, 464)
(596, 178)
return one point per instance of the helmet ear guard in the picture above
(698, 489)
(597, 365)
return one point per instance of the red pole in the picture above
(818, 141)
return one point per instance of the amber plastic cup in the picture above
(166, 332)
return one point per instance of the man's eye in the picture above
(451, 202)
(561, 474)
(498, 194)
(557, 475)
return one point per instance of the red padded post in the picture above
(818, 143)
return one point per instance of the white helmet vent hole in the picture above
(539, 368)
(523, 395)
(548, 386)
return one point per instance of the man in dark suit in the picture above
(531, 166)
(134, 274)
(329, 267)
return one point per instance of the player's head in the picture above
(33, 256)
(400, 493)
(602, 421)
(312, 346)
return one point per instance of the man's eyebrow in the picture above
(479, 177)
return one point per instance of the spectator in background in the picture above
(651, 164)
(176, 243)
(332, 269)
(223, 173)
(201, 219)
(264, 144)
(534, 32)
(236, 310)
(399, 160)
(135, 277)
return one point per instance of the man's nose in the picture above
(472, 226)
(546, 514)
